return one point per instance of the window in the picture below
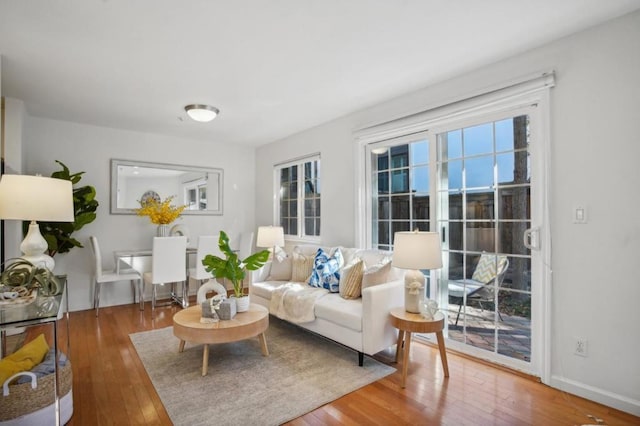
(298, 194)
(400, 180)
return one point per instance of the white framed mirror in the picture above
(199, 188)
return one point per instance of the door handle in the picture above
(531, 238)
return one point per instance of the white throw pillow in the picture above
(281, 270)
(377, 274)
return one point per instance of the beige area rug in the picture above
(302, 372)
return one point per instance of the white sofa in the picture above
(361, 324)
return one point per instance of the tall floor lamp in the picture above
(414, 251)
(36, 198)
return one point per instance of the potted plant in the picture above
(234, 269)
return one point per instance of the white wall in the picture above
(89, 148)
(594, 162)
(13, 164)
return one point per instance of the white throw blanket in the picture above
(294, 302)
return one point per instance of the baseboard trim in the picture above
(610, 399)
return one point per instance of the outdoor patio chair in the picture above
(481, 287)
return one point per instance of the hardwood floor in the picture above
(111, 387)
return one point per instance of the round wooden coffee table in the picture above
(245, 325)
(408, 323)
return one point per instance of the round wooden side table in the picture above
(407, 323)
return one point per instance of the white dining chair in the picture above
(101, 276)
(168, 266)
(207, 244)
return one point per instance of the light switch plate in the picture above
(580, 215)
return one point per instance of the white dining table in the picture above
(128, 257)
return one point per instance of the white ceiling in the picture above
(273, 67)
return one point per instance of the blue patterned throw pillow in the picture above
(326, 270)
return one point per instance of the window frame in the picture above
(300, 216)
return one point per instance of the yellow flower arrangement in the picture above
(160, 212)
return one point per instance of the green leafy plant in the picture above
(231, 267)
(22, 273)
(58, 234)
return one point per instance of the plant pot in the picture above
(242, 303)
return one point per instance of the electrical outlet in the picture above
(580, 347)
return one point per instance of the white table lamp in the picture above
(270, 236)
(36, 198)
(414, 251)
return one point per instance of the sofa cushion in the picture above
(348, 254)
(351, 279)
(373, 256)
(376, 274)
(302, 266)
(344, 312)
(281, 270)
(310, 249)
(265, 288)
(326, 270)
(486, 269)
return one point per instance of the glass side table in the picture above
(44, 311)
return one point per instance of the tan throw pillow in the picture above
(281, 271)
(376, 274)
(351, 279)
(302, 267)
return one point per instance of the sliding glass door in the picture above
(473, 182)
(484, 216)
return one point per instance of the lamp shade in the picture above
(36, 198)
(202, 113)
(270, 236)
(417, 250)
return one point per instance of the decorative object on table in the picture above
(209, 286)
(233, 268)
(414, 251)
(428, 309)
(227, 309)
(36, 198)
(273, 238)
(179, 230)
(21, 282)
(161, 213)
(210, 309)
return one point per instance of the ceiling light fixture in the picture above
(201, 113)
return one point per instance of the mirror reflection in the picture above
(132, 182)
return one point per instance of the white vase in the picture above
(242, 303)
(163, 231)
